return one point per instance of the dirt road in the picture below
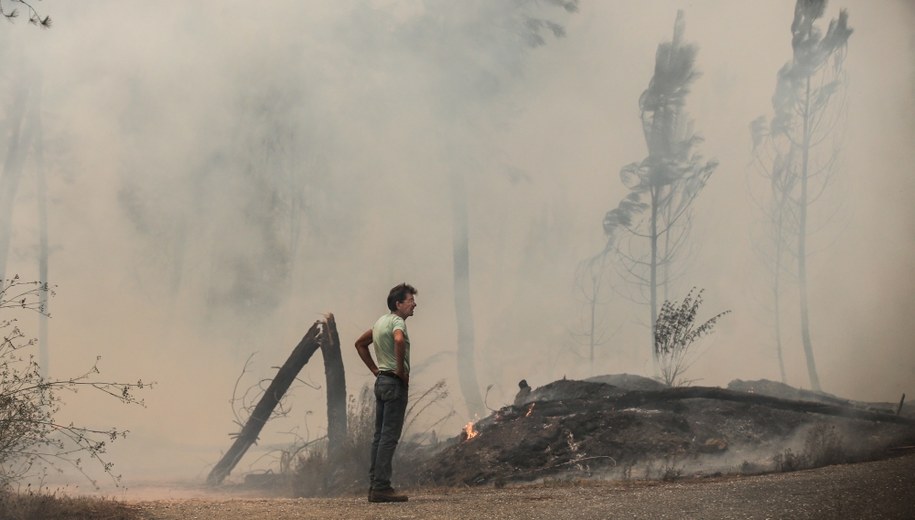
(873, 490)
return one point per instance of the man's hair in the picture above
(399, 294)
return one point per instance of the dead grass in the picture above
(823, 446)
(316, 476)
(51, 506)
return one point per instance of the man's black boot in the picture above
(386, 495)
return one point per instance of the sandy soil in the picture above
(873, 490)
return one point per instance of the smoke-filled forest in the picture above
(201, 181)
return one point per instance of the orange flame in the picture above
(469, 432)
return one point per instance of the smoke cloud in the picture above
(222, 173)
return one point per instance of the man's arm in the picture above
(362, 347)
(400, 351)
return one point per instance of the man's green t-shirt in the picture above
(383, 338)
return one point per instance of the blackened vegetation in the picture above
(580, 429)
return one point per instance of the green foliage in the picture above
(675, 333)
(31, 440)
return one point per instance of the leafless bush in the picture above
(671, 470)
(244, 401)
(789, 461)
(823, 446)
(31, 439)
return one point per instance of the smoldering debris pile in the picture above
(639, 429)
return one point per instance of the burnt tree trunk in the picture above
(313, 339)
(336, 389)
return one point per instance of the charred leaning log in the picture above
(323, 335)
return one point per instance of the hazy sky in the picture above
(221, 174)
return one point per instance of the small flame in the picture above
(530, 410)
(469, 432)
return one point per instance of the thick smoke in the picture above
(221, 173)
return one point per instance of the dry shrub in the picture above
(51, 506)
(789, 461)
(316, 475)
(32, 439)
(751, 468)
(822, 447)
(671, 472)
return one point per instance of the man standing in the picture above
(392, 379)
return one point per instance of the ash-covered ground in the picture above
(624, 426)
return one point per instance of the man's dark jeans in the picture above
(390, 408)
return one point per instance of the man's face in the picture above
(405, 308)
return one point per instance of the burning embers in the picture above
(469, 432)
